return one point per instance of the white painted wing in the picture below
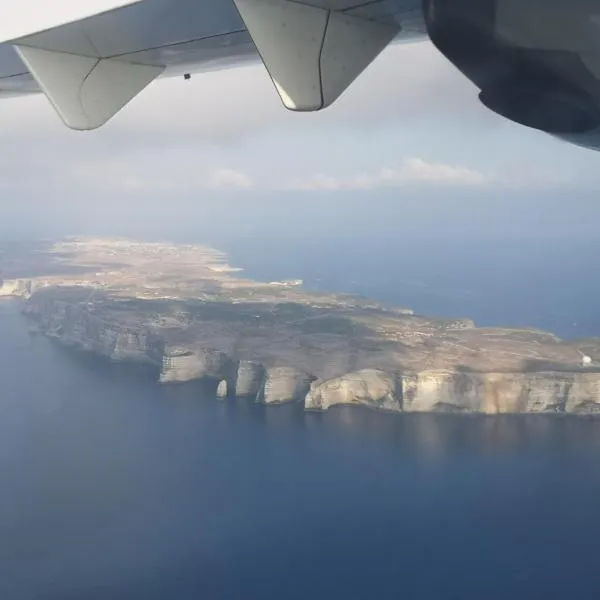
(145, 38)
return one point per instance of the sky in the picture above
(410, 122)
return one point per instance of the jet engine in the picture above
(535, 62)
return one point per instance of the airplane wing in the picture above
(90, 67)
(535, 62)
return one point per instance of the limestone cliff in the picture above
(367, 387)
(451, 391)
(183, 310)
(17, 288)
(493, 393)
(249, 378)
(428, 390)
(73, 325)
(185, 363)
(284, 384)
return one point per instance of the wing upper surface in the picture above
(173, 36)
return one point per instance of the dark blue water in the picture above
(112, 488)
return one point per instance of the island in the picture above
(183, 311)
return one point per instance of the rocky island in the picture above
(182, 310)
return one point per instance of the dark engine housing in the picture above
(530, 60)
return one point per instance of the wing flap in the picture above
(85, 91)
(312, 54)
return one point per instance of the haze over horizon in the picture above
(410, 126)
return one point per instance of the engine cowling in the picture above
(535, 62)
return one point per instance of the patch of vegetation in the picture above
(330, 324)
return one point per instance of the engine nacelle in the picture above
(536, 62)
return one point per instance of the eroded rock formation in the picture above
(284, 384)
(249, 378)
(184, 363)
(368, 387)
(73, 325)
(17, 288)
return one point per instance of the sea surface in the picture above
(114, 488)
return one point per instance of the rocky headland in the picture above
(186, 313)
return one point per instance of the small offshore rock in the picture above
(222, 389)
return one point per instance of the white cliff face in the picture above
(284, 384)
(496, 393)
(249, 378)
(523, 392)
(135, 346)
(425, 391)
(584, 394)
(74, 326)
(430, 391)
(450, 391)
(368, 387)
(16, 288)
(181, 364)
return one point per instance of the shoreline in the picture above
(171, 310)
(152, 373)
(209, 385)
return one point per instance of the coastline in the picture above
(183, 312)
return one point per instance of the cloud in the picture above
(180, 171)
(227, 130)
(410, 171)
(167, 171)
(229, 179)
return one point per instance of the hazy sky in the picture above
(409, 120)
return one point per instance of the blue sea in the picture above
(112, 487)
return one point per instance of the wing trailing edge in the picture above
(86, 91)
(312, 54)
